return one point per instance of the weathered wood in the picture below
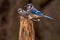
(26, 31)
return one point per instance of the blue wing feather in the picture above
(36, 12)
(40, 14)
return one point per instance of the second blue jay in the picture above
(30, 8)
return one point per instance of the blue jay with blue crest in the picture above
(33, 10)
(24, 13)
(27, 14)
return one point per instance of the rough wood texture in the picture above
(26, 31)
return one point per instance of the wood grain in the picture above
(26, 31)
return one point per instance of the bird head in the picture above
(20, 10)
(29, 6)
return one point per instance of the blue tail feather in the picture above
(48, 17)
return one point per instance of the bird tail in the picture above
(48, 17)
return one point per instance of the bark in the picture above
(26, 31)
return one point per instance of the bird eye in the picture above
(19, 10)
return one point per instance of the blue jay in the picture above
(21, 11)
(33, 10)
(24, 13)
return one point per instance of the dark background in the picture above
(44, 30)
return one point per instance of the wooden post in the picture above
(26, 31)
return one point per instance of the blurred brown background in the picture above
(44, 30)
